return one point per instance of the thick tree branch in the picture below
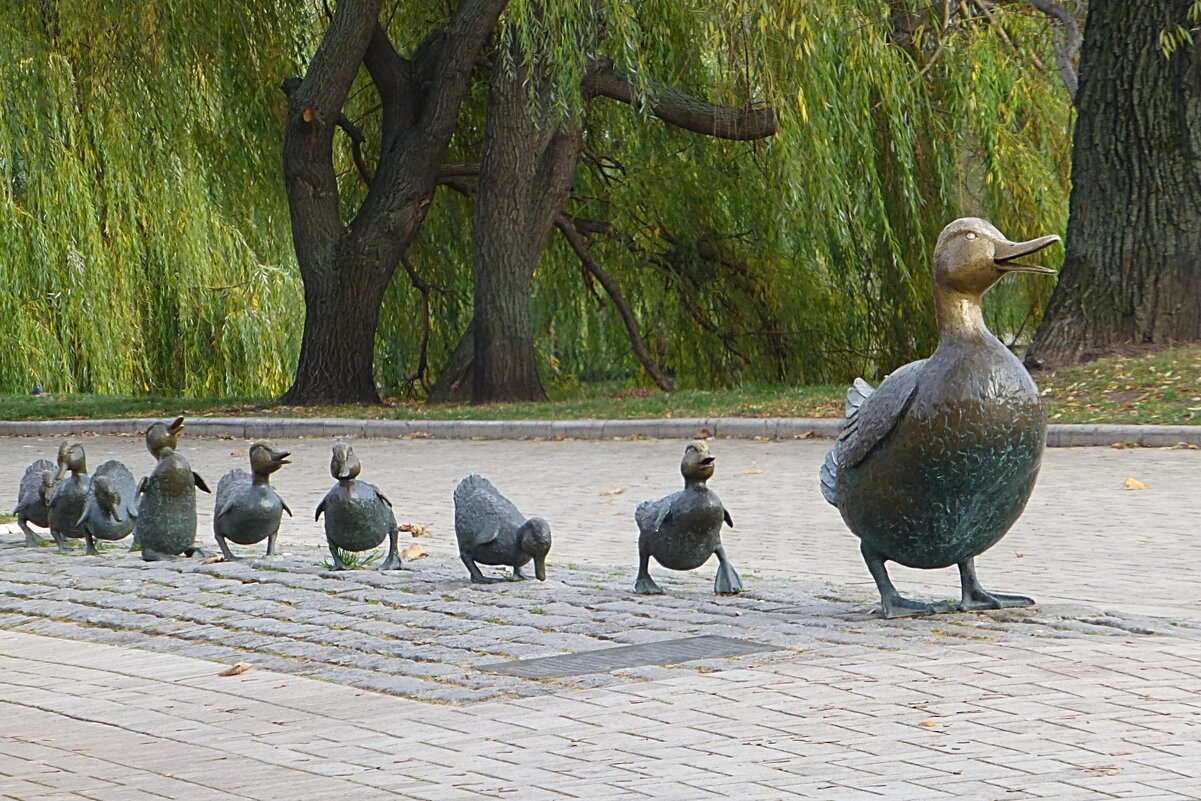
(682, 110)
(1069, 45)
(564, 224)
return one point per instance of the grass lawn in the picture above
(1147, 387)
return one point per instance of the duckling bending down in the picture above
(248, 509)
(111, 508)
(490, 530)
(357, 515)
(33, 499)
(934, 466)
(69, 495)
(684, 529)
(166, 526)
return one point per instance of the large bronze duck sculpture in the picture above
(248, 509)
(682, 530)
(33, 499)
(166, 525)
(70, 494)
(357, 515)
(490, 530)
(933, 466)
(111, 509)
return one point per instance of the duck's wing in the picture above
(872, 415)
(199, 482)
(481, 511)
(228, 490)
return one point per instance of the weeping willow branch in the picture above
(627, 314)
(424, 287)
(679, 109)
(1069, 45)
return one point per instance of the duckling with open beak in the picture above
(935, 465)
(248, 509)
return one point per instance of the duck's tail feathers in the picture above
(829, 476)
(856, 395)
(471, 485)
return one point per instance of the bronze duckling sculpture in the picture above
(682, 530)
(248, 510)
(491, 531)
(69, 495)
(933, 466)
(166, 526)
(33, 499)
(357, 515)
(111, 509)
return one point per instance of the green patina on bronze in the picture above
(490, 530)
(248, 510)
(935, 465)
(682, 530)
(357, 515)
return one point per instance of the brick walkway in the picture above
(367, 685)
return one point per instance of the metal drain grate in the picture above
(603, 660)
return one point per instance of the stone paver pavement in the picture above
(366, 685)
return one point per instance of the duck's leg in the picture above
(517, 574)
(476, 576)
(644, 584)
(31, 540)
(892, 603)
(338, 563)
(91, 541)
(226, 553)
(392, 560)
(271, 542)
(727, 581)
(59, 540)
(976, 597)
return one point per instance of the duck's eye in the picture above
(970, 235)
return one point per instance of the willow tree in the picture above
(1132, 273)
(138, 221)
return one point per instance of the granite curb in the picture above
(772, 428)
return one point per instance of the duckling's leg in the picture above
(31, 540)
(338, 563)
(517, 574)
(226, 553)
(727, 581)
(892, 603)
(91, 541)
(136, 545)
(392, 560)
(976, 597)
(271, 542)
(476, 576)
(644, 584)
(59, 540)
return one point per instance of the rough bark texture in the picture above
(525, 178)
(1133, 268)
(346, 267)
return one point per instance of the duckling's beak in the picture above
(281, 457)
(708, 460)
(1004, 253)
(175, 426)
(540, 567)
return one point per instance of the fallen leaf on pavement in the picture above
(617, 491)
(413, 552)
(212, 560)
(238, 452)
(416, 529)
(928, 724)
(235, 670)
(1134, 484)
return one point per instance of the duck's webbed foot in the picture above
(91, 551)
(976, 597)
(338, 563)
(644, 584)
(151, 555)
(392, 560)
(226, 553)
(892, 603)
(727, 581)
(194, 550)
(476, 576)
(518, 575)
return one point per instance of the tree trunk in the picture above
(454, 382)
(1132, 272)
(525, 177)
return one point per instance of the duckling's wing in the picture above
(199, 482)
(31, 482)
(228, 490)
(651, 515)
(481, 511)
(872, 415)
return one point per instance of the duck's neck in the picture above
(261, 480)
(695, 483)
(959, 315)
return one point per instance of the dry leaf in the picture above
(238, 452)
(416, 529)
(235, 670)
(212, 560)
(753, 471)
(928, 724)
(616, 491)
(1134, 484)
(413, 552)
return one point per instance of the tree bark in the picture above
(1132, 272)
(525, 177)
(346, 267)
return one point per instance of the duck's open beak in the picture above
(281, 457)
(175, 426)
(1005, 252)
(709, 460)
(540, 567)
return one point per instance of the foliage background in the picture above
(144, 235)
